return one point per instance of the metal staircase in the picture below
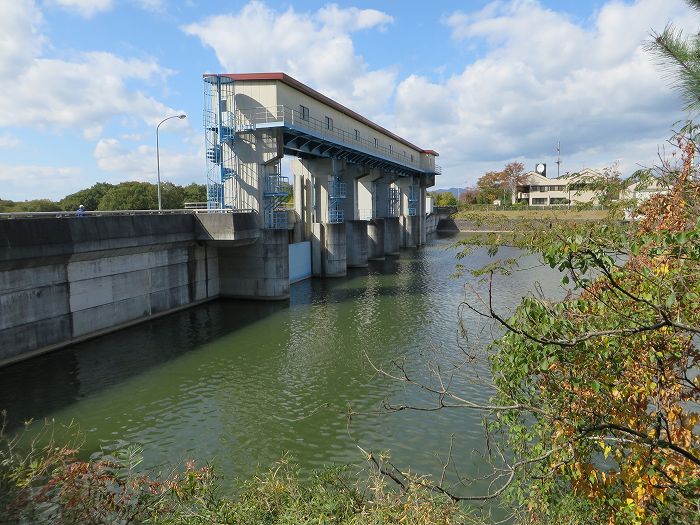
(393, 205)
(337, 192)
(220, 139)
(275, 190)
(412, 200)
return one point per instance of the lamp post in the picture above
(160, 207)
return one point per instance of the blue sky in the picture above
(84, 82)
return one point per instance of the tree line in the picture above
(493, 185)
(131, 195)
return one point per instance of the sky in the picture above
(83, 83)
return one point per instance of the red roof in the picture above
(286, 79)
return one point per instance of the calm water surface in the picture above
(238, 383)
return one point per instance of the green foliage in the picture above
(444, 198)
(130, 196)
(112, 197)
(37, 205)
(195, 193)
(679, 55)
(603, 384)
(90, 197)
(44, 482)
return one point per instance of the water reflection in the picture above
(237, 383)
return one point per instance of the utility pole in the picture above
(558, 157)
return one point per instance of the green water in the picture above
(238, 383)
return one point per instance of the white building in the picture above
(570, 188)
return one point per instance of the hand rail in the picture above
(248, 119)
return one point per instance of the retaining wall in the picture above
(63, 280)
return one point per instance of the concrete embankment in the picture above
(63, 280)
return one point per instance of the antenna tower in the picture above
(558, 157)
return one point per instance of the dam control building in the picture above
(359, 190)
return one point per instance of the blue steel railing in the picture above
(280, 115)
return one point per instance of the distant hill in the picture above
(454, 191)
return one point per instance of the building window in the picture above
(411, 157)
(390, 149)
(329, 123)
(357, 134)
(543, 188)
(376, 142)
(539, 201)
(223, 106)
(304, 112)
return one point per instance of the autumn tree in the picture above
(597, 395)
(514, 174)
(500, 185)
(493, 185)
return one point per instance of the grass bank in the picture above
(572, 214)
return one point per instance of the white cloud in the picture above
(84, 93)
(25, 182)
(316, 48)
(20, 39)
(540, 78)
(8, 141)
(352, 18)
(85, 8)
(130, 162)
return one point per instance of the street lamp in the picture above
(160, 207)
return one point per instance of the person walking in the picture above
(80, 212)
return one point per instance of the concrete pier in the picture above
(334, 257)
(255, 271)
(356, 243)
(392, 236)
(375, 239)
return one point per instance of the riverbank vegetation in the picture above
(43, 481)
(111, 197)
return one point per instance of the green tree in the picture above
(444, 198)
(680, 56)
(195, 193)
(89, 197)
(37, 205)
(172, 196)
(130, 196)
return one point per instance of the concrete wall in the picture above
(344, 125)
(431, 223)
(63, 280)
(256, 271)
